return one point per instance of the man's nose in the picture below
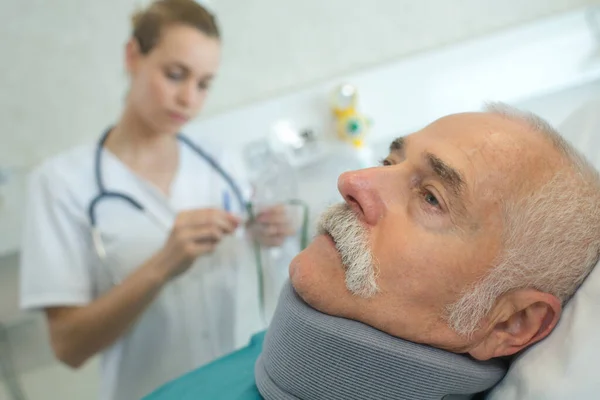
(362, 191)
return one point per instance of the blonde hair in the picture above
(149, 22)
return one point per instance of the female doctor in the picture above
(125, 243)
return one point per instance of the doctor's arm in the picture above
(78, 333)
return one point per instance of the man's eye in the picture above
(431, 199)
(204, 85)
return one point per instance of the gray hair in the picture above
(551, 239)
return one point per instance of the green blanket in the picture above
(228, 378)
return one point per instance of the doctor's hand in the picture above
(272, 226)
(195, 233)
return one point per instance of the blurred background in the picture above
(62, 81)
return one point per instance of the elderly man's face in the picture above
(429, 221)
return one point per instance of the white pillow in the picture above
(565, 365)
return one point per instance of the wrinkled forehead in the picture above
(479, 134)
(494, 151)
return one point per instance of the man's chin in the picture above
(316, 272)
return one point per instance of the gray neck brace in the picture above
(308, 355)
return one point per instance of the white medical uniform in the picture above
(191, 322)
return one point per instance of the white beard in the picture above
(351, 241)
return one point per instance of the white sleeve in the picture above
(55, 253)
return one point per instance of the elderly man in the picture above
(465, 243)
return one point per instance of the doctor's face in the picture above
(170, 83)
(415, 232)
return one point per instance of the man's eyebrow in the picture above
(451, 178)
(397, 145)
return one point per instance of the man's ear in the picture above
(518, 320)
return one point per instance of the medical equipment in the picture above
(104, 194)
(273, 181)
(300, 147)
(351, 125)
(310, 355)
(226, 201)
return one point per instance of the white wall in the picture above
(62, 81)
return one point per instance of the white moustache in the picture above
(352, 242)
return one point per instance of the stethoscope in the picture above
(104, 194)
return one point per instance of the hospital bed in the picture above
(563, 366)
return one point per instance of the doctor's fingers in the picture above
(276, 230)
(273, 214)
(204, 234)
(209, 217)
(196, 249)
(274, 218)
